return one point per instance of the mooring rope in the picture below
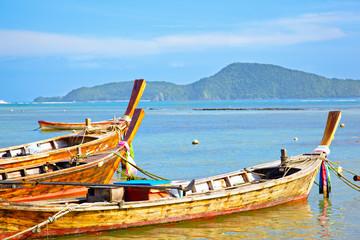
(115, 128)
(79, 157)
(292, 160)
(62, 212)
(341, 176)
(37, 129)
(149, 174)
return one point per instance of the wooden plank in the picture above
(331, 126)
(138, 89)
(134, 125)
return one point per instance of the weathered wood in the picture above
(66, 146)
(105, 194)
(331, 126)
(284, 156)
(88, 122)
(105, 216)
(97, 169)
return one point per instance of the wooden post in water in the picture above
(88, 122)
(284, 156)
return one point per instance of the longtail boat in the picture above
(91, 140)
(87, 168)
(130, 204)
(49, 126)
(139, 86)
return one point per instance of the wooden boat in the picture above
(49, 126)
(90, 140)
(46, 125)
(90, 168)
(129, 205)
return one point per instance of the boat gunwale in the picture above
(42, 176)
(16, 159)
(191, 197)
(116, 121)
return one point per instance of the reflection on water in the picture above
(324, 208)
(293, 220)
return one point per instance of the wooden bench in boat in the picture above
(40, 147)
(36, 169)
(129, 194)
(224, 181)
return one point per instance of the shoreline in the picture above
(247, 109)
(243, 109)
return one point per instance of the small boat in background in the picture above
(57, 126)
(90, 140)
(129, 204)
(139, 86)
(96, 168)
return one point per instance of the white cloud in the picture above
(305, 28)
(176, 64)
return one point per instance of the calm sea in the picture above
(228, 140)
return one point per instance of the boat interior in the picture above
(45, 146)
(31, 170)
(206, 185)
(240, 177)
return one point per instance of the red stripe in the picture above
(59, 232)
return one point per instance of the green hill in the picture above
(235, 81)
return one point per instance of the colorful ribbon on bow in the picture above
(130, 170)
(322, 148)
(324, 180)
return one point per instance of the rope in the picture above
(84, 156)
(342, 178)
(151, 175)
(36, 129)
(119, 130)
(62, 212)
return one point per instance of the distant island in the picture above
(235, 81)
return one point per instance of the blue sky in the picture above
(48, 48)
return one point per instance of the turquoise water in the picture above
(228, 140)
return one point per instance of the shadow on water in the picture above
(292, 220)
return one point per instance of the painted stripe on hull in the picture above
(69, 231)
(73, 192)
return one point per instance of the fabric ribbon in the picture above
(324, 180)
(322, 148)
(126, 118)
(130, 170)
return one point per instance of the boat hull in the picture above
(96, 168)
(99, 171)
(100, 143)
(48, 126)
(245, 197)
